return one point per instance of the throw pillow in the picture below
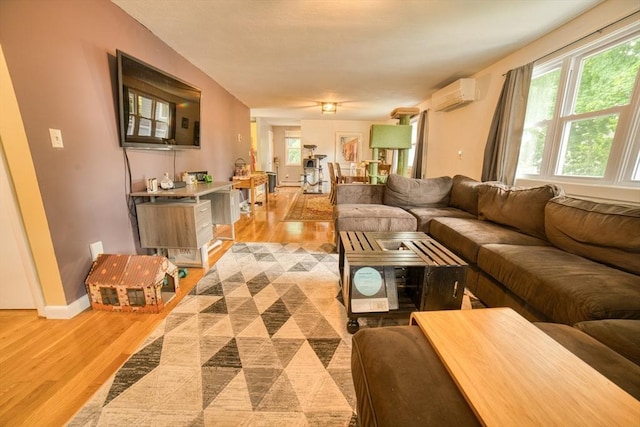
(417, 193)
(604, 232)
(464, 194)
(516, 207)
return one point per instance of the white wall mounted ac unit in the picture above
(455, 95)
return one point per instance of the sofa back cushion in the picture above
(517, 207)
(464, 194)
(417, 193)
(603, 232)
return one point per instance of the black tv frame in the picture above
(168, 88)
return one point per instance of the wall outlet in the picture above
(56, 138)
(96, 249)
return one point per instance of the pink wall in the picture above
(61, 57)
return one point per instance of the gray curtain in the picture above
(503, 144)
(421, 145)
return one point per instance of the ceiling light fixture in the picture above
(329, 107)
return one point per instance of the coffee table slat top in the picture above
(357, 241)
(512, 373)
(434, 253)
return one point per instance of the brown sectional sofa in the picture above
(570, 265)
(551, 257)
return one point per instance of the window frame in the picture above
(624, 155)
(154, 120)
(109, 295)
(136, 297)
(292, 135)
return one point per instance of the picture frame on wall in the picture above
(348, 147)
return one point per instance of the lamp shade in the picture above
(390, 136)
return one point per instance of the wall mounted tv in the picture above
(157, 110)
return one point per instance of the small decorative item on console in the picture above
(240, 167)
(152, 185)
(166, 183)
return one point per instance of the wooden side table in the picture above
(251, 182)
(512, 373)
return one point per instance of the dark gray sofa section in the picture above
(565, 287)
(466, 236)
(400, 381)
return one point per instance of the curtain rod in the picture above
(600, 30)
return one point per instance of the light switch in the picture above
(56, 138)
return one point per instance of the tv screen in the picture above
(157, 110)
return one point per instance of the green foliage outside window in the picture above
(588, 145)
(294, 151)
(607, 78)
(605, 84)
(542, 96)
(531, 149)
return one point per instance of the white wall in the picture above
(262, 133)
(466, 128)
(323, 134)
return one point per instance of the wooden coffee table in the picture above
(392, 274)
(513, 374)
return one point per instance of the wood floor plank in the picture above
(50, 368)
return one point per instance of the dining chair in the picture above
(334, 182)
(339, 173)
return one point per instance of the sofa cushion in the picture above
(621, 335)
(517, 207)
(399, 380)
(494, 294)
(464, 194)
(603, 359)
(359, 193)
(371, 217)
(412, 193)
(425, 215)
(565, 287)
(602, 232)
(465, 236)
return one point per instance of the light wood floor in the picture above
(50, 368)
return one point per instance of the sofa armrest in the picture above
(399, 380)
(359, 193)
(613, 365)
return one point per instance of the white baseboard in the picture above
(67, 311)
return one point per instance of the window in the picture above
(414, 139)
(293, 148)
(109, 296)
(582, 122)
(136, 297)
(149, 116)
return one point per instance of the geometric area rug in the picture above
(261, 340)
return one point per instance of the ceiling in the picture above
(283, 57)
